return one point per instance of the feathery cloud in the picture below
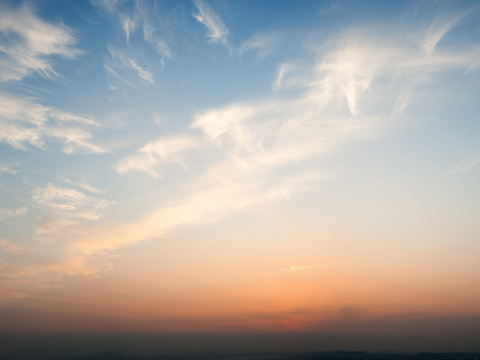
(120, 62)
(39, 40)
(84, 186)
(264, 44)
(293, 268)
(8, 169)
(7, 213)
(217, 31)
(471, 158)
(70, 202)
(24, 121)
(139, 17)
(155, 154)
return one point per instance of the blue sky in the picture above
(214, 147)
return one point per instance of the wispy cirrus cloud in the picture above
(8, 213)
(471, 158)
(435, 32)
(8, 169)
(70, 203)
(84, 186)
(464, 166)
(299, 268)
(139, 17)
(120, 62)
(108, 5)
(428, 34)
(152, 35)
(24, 121)
(66, 210)
(264, 44)
(27, 111)
(294, 268)
(153, 155)
(30, 42)
(111, 7)
(217, 31)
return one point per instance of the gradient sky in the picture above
(239, 166)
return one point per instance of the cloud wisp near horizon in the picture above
(127, 130)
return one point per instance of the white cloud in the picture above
(85, 186)
(150, 33)
(264, 44)
(118, 76)
(297, 268)
(75, 139)
(120, 62)
(108, 5)
(347, 72)
(17, 136)
(464, 166)
(140, 16)
(155, 154)
(471, 158)
(7, 169)
(428, 39)
(38, 40)
(164, 50)
(62, 116)
(69, 202)
(7, 213)
(217, 31)
(128, 25)
(111, 6)
(24, 121)
(144, 74)
(435, 33)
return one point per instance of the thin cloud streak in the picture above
(264, 44)
(217, 31)
(120, 61)
(464, 166)
(436, 31)
(39, 40)
(140, 16)
(8, 169)
(84, 186)
(471, 159)
(8, 213)
(70, 202)
(24, 121)
(298, 268)
(153, 155)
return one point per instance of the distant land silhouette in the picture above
(240, 354)
(234, 353)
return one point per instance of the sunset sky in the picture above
(241, 167)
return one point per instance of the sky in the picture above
(241, 167)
